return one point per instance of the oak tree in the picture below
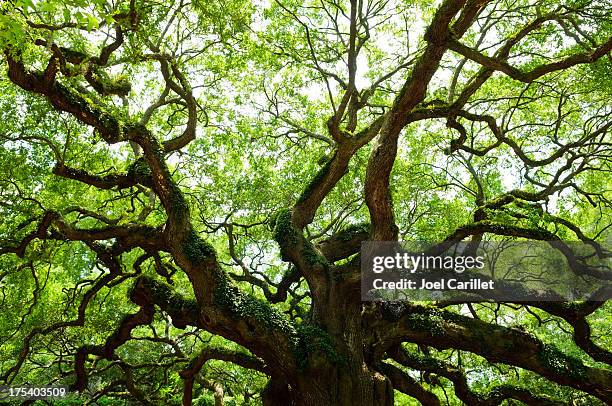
(186, 186)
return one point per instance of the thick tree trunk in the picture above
(342, 389)
(338, 375)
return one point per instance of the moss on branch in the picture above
(316, 180)
(140, 171)
(197, 250)
(240, 305)
(181, 310)
(313, 341)
(348, 233)
(104, 121)
(561, 363)
(284, 232)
